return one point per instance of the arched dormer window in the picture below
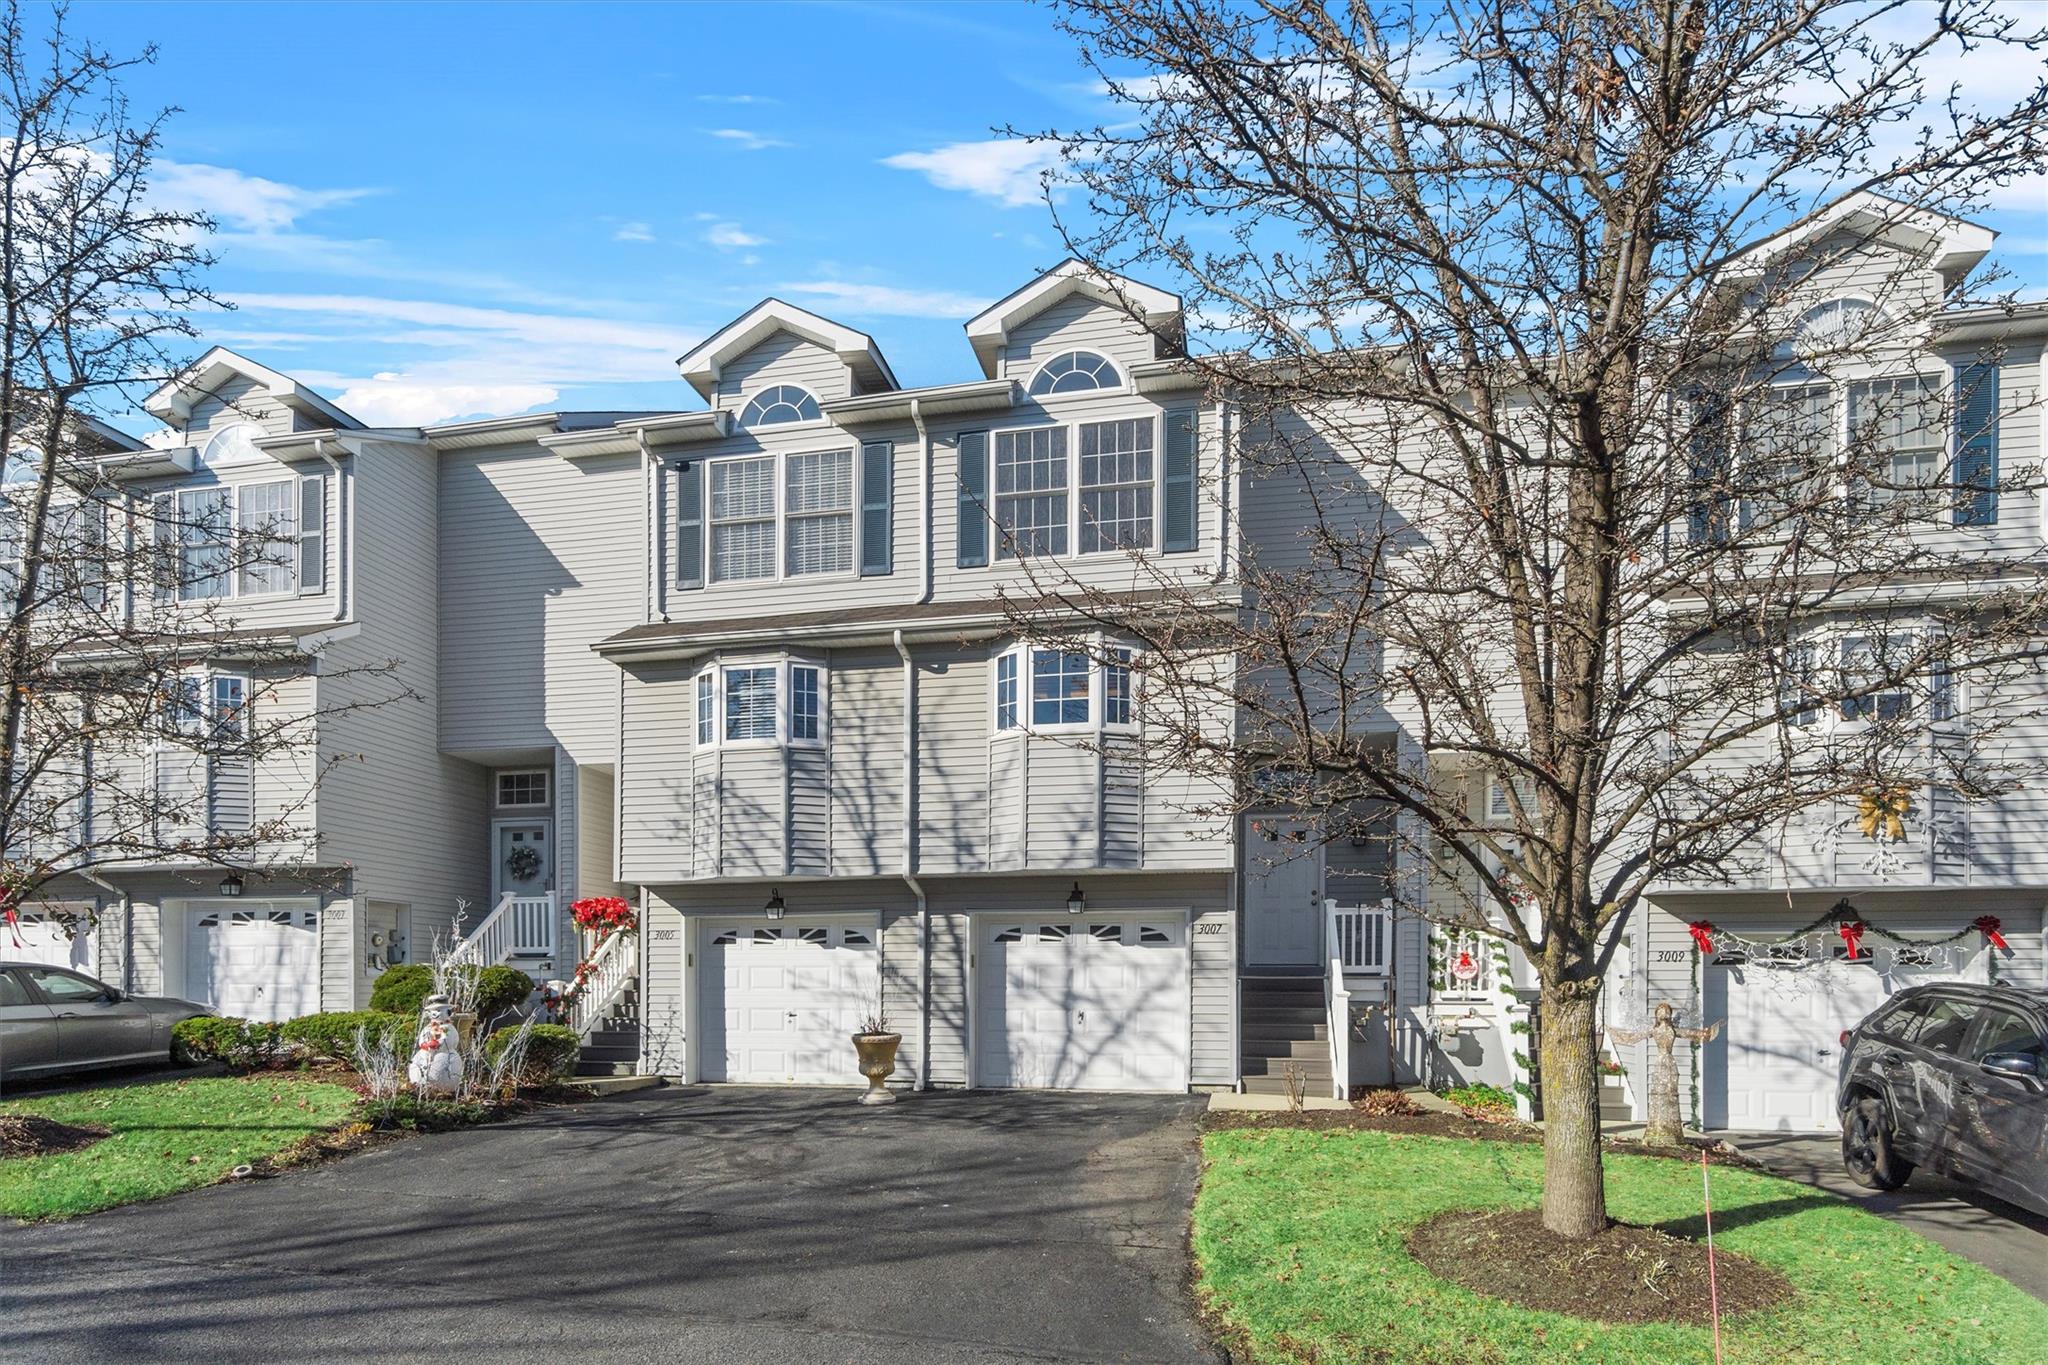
(234, 444)
(780, 403)
(1075, 372)
(1833, 328)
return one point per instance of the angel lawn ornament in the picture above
(437, 1056)
(1664, 1129)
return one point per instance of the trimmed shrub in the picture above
(551, 1052)
(403, 990)
(334, 1035)
(240, 1044)
(1481, 1097)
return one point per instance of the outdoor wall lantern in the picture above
(231, 885)
(1076, 902)
(776, 907)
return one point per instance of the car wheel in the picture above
(1868, 1151)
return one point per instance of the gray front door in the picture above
(1283, 883)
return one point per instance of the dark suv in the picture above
(1954, 1078)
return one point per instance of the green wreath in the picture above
(523, 862)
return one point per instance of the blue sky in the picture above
(438, 211)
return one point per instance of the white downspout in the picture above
(924, 909)
(925, 549)
(344, 531)
(657, 604)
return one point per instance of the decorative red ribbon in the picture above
(12, 919)
(1987, 925)
(1851, 931)
(1702, 936)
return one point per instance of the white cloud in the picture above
(400, 400)
(885, 299)
(747, 139)
(737, 99)
(247, 203)
(731, 237)
(462, 361)
(634, 232)
(1009, 171)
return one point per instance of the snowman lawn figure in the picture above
(437, 1057)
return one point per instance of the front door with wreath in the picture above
(525, 865)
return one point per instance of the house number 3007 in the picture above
(1210, 928)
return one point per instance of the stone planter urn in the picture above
(877, 1063)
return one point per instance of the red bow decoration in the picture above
(12, 919)
(1702, 936)
(1851, 931)
(1987, 925)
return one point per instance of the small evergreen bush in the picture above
(239, 1044)
(404, 989)
(334, 1035)
(551, 1052)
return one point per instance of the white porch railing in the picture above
(1337, 1002)
(1361, 937)
(518, 926)
(611, 969)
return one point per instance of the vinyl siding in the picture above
(955, 785)
(865, 694)
(545, 557)
(657, 784)
(784, 358)
(1075, 323)
(597, 833)
(412, 820)
(664, 998)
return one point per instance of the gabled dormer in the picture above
(1077, 327)
(222, 402)
(777, 362)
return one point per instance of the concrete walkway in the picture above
(2006, 1240)
(726, 1223)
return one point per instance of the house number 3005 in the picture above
(664, 935)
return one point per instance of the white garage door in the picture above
(1093, 1003)
(53, 939)
(1777, 1063)
(781, 1002)
(256, 961)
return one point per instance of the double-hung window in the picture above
(1796, 686)
(1060, 686)
(806, 709)
(818, 505)
(1116, 485)
(750, 703)
(206, 544)
(1116, 688)
(707, 710)
(184, 705)
(230, 709)
(1897, 430)
(1864, 664)
(1031, 492)
(1789, 441)
(743, 518)
(267, 529)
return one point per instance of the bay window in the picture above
(765, 703)
(1068, 689)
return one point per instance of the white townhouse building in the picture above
(757, 667)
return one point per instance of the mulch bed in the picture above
(1625, 1274)
(26, 1135)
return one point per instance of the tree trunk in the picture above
(1574, 1195)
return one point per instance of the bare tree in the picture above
(112, 747)
(1507, 323)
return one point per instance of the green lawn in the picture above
(1298, 1239)
(166, 1137)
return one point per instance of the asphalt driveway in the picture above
(679, 1224)
(2006, 1240)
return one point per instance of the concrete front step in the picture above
(1316, 1071)
(1311, 1086)
(588, 1066)
(1299, 1049)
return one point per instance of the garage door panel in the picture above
(1099, 1004)
(52, 940)
(255, 961)
(781, 1002)
(1777, 1062)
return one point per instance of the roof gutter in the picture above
(924, 909)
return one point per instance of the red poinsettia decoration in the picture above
(602, 913)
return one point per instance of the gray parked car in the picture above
(53, 1019)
